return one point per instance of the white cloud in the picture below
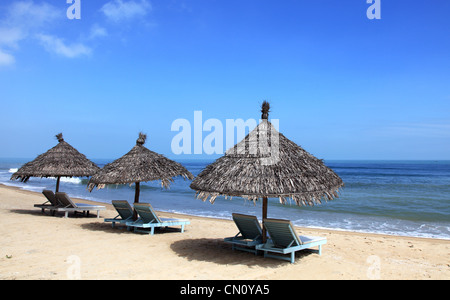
(31, 19)
(20, 20)
(27, 14)
(56, 45)
(23, 20)
(97, 31)
(6, 59)
(10, 37)
(429, 130)
(120, 10)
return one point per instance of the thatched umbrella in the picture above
(63, 160)
(266, 164)
(139, 165)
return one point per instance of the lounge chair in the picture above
(51, 202)
(67, 205)
(284, 240)
(124, 210)
(249, 235)
(149, 220)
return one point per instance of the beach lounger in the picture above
(67, 205)
(51, 202)
(249, 235)
(149, 220)
(284, 240)
(124, 210)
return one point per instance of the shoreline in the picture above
(40, 246)
(181, 216)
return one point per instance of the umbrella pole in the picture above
(57, 184)
(136, 199)
(264, 216)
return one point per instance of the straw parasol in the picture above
(139, 165)
(63, 160)
(266, 164)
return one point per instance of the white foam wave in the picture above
(24, 186)
(74, 180)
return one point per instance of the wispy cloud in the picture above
(28, 19)
(10, 37)
(120, 10)
(37, 20)
(26, 14)
(56, 45)
(97, 31)
(6, 59)
(21, 20)
(430, 130)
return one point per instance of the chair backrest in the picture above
(248, 226)
(146, 212)
(123, 208)
(282, 233)
(50, 197)
(65, 200)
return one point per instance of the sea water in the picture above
(407, 198)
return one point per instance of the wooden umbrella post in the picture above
(57, 184)
(136, 199)
(264, 216)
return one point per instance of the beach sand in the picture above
(39, 246)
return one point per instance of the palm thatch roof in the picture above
(267, 164)
(63, 160)
(139, 165)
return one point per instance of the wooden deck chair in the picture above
(51, 202)
(124, 210)
(284, 240)
(149, 220)
(249, 235)
(67, 205)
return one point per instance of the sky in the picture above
(342, 85)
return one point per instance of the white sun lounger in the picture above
(67, 205)
(284, 240)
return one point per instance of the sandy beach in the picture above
(40, 246)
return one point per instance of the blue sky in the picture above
(342, 86)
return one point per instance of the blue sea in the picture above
(406, 198)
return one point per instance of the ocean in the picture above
(405, 198)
